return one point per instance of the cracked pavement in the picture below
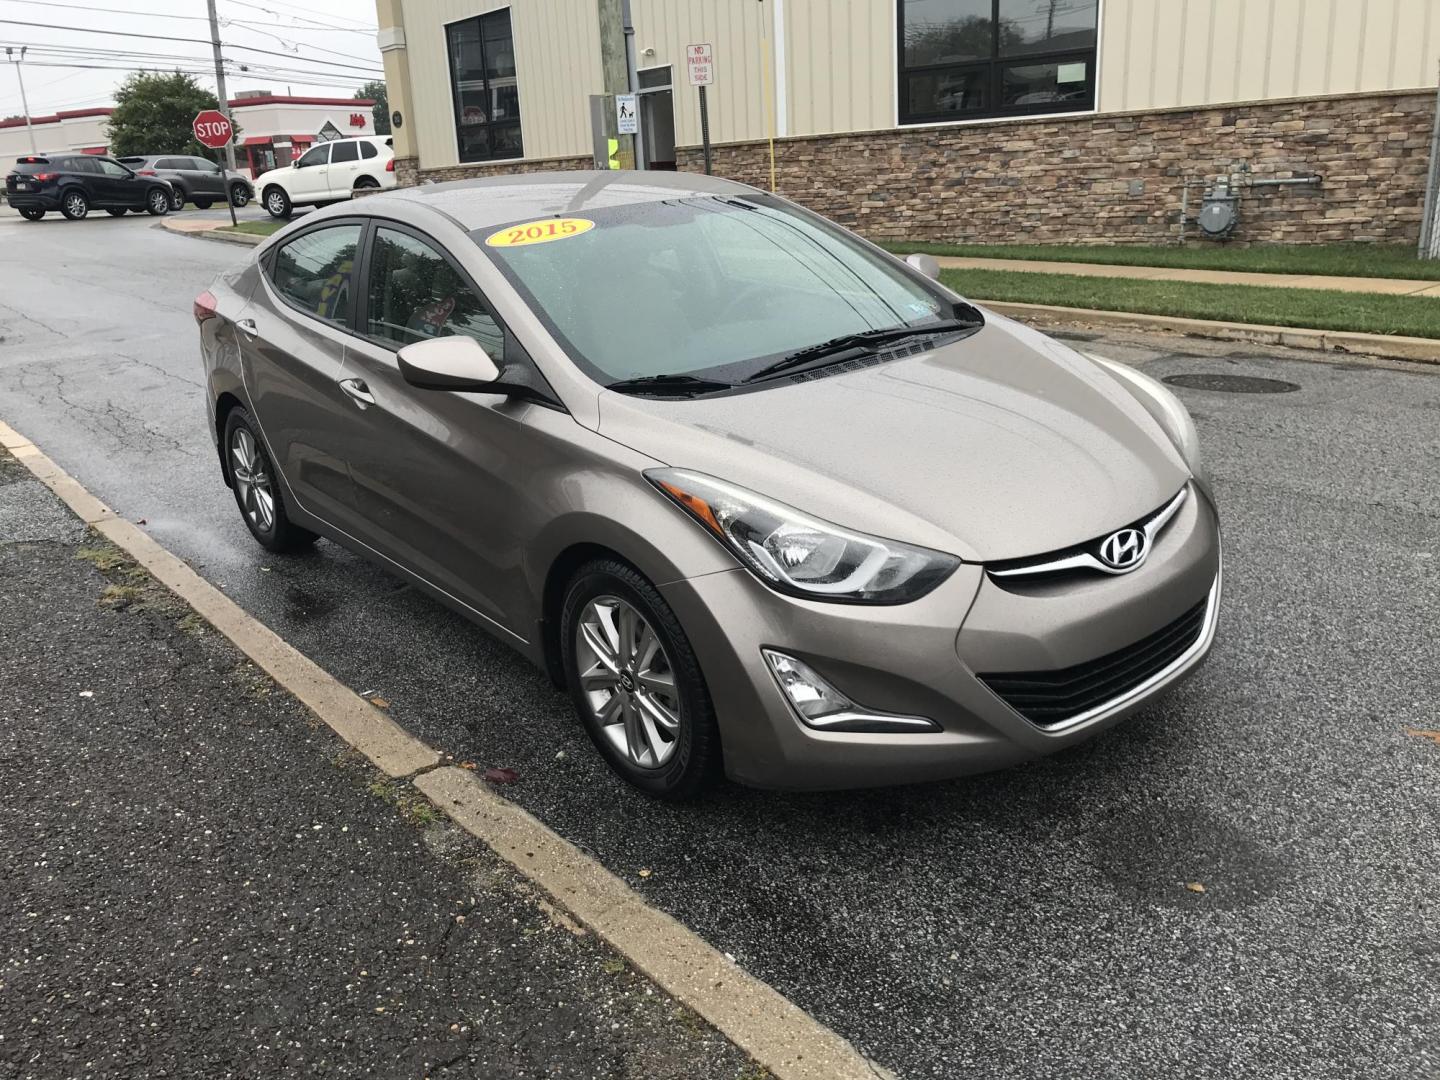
(1033, 923)
(197, 879)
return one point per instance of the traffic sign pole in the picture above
(229, 165)
(705, 128)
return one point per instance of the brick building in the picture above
(963, 120)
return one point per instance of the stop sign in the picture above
(212, 129)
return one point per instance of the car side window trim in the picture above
(268, 268)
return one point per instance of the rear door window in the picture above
(416, 294)
(344, 151)
(313, 272)
(175, 163)
(111, 168)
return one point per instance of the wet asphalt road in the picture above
(199, 880)
(1034, 923)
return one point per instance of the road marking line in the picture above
(753, 1015)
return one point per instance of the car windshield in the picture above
(715, 286)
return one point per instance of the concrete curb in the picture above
(246, 239)
(1420, 350)
(775, 1032)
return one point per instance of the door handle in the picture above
(249, 328)
(358, 391)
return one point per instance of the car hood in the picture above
(1001, 445)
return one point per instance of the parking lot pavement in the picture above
(196, 881)
(1038, 922)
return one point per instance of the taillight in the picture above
(148, 172)
(204, 306)
(43, 176)
(390, 165)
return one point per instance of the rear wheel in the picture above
(257, 488)
(157, 202)
(74, 205)
(636, 683)
(116, 212)
(277, 203)
(203, 204)
(239, 195)
(33, 213)
(366, 183)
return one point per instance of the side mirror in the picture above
(926, 264)
(295, 164)
(449, 363)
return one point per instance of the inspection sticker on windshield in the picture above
(539, 232)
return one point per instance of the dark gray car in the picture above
(193, 179)
(758, 494)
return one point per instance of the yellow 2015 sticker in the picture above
(539, 232)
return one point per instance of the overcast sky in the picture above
(326, 48)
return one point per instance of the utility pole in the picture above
(24, 105)
(224, 104)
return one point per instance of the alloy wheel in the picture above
(252, 481)
(75, 204)
(159, 201)
(239, 196)
(275, 203)
(628, 681)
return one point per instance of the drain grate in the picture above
(1231, 384)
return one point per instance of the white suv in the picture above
(328, 172)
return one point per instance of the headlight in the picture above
(795, 553)
(1164, 406)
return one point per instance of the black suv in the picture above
(76, 183)
(194, 179)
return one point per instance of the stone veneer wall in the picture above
(1113, 178)
(407, 173)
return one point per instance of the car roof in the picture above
(495, 200)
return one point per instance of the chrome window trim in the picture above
(1083, 560)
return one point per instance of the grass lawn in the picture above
(1344, 260)
(1413, 316)
(255, 228)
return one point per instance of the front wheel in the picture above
(32, 213)
(636, 683)
(177, 200)
(239, 195)
(158, 202)
(277, 203)
(74, 205)
(257, 487)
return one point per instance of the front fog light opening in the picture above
(819, 705)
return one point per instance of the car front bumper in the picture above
(925, 658)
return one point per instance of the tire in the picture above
(32, 213)
(615, 693)
(239, 195)
(177, 200)
(74, 205)
(277, 203)
(366, 183)
(137, 210)
(204, 204)
(257, 490)
(157, 201)
(116, 212)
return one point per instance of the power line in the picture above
(359, 28)
(201, 41)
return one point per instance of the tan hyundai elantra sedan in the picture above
(763, 498)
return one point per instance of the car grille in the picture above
(1050, 698)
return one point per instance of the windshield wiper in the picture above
(668, 385)
(868, 341)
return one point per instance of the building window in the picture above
(970, 59)
(482, 82)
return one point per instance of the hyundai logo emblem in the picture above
(1123, 550)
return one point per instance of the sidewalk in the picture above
(197, 880)
(1384, 286)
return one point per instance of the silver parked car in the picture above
(759, 495)
(193, 179)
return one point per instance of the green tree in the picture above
(154, 112)
(376, 90)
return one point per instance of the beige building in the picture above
(954, 119)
